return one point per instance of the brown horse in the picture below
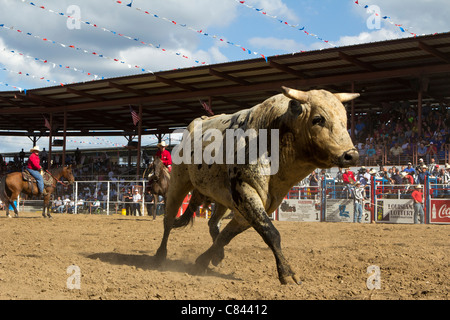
(158, 181)
(13, 184)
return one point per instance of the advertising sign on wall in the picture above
(341, 210)
(299, 210)
(440, 211)
(395, 211)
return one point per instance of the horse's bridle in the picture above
(63, 183)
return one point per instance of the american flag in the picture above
(134, 115)
(47, 124)
(207, 107)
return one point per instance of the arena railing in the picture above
(330, 201)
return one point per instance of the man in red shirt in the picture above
(348, 176)
(164, 155)
(34, 168)
(417, 196)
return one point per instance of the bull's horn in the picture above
(345, 97)
(298, 95)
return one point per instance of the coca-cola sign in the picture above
(440, 211)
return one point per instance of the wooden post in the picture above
(64, 139)
(50, 136)
(138, 161)
(352, 130)
(419, 111)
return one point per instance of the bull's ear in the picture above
(295, 107)
(346, 97)
(298, 95)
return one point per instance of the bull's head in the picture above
(320, 126)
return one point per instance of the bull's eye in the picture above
(318, 120)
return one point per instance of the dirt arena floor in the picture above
(115, 259)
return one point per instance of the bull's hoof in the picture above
(291, 279)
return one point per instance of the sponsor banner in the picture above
(299, 210)
(395, 211)
(342, 210)
(440, 211)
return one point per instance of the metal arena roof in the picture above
(382, 72)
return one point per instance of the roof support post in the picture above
(419, 111)
(50, 136)
(352, 119)
(138, 162)
(64, 139)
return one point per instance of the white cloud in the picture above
(367, 37)
(283, 45)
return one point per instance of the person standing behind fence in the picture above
(137, 199)
(358, 201)
(149, 201)
(417, 196)
(128, 199)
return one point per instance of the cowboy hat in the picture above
(162, 144)
(419, 186)
(404, 174)
(35, 148)
(447, 166)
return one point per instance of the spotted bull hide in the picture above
(311, 132)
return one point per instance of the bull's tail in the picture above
(188, 215)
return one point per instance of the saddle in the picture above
(48, 180)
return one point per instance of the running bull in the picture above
(311, 132)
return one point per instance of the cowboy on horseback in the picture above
(164, 155)
(35, 169)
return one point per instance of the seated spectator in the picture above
(371, 153)
(422, 150)
(431, 152)
(396, 150)
(58, 205)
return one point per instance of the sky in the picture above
(80, 40)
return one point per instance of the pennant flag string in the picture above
(14, 52)
(2, 25)
(303, 29)
(173, 22)
(32, 76)
(387, 19)
(137, 40)
(12, 86)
